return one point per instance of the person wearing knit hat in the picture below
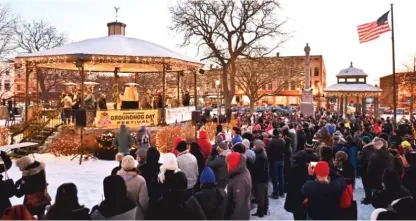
(366, 140)
(213, 200)
(136, 185)
(249, 152)
(240, 185)
(260, 178)
(219, 165)
(323, 193)
(170, 163)
(309, 144)
(119, 158)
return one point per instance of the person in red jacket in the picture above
(204, 144)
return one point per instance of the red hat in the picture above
(233, 160)
(322, 169)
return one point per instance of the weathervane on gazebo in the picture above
(117, 8)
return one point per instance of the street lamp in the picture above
(217, 84)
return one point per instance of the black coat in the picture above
(80, 213)
(347, 171)
(379, 161)
(364, 157)
(385, 197)
(33, 180)
(324, 199)
(260, 173)
(294, 197)
(213, 201)
(302, 138)
(149, 172)
(276, 150)
(6, 191)
(176, 205)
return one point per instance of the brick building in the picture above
(291, 93)
(405, 83)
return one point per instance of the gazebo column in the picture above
(358, 105)
(341, 105)
(346, 105)
(27, 101)
(116, 93)
(363, 104)
(376, 105)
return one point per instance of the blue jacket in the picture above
(237, 139)
(352, 155)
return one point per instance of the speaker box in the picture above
(196, 117)
(81, 118)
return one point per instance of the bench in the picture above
(29, 145)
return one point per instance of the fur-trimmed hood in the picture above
(34, 168)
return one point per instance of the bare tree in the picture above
(408, 79)
(258, 74)
(7, 23)
(227, 30)
(37, 36)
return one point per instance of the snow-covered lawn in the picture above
(89, 177)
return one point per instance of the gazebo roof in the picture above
(134, 54)
(352, 89)
(351, 72)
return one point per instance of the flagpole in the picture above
(394, 69)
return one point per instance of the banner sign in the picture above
(132, 118)
(179, 114)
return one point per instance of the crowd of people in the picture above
(311, 162)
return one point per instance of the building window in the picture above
(293, 85)
(316, 71)
(285, 85)
(362, 80)
(301, 84)
(19, 76)
(18, 87)
(7, 85)
(270, 86)
(351, 80)
(341, 79)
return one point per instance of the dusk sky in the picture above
(329, 26)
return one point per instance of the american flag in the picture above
(373, 30)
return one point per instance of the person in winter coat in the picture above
(149, 172)
(189, 165)
(218, 139)
(293, 137)
(116, 204)
(249, 152)
(395, 139)
(176, 203)
(6, 191)
(392, 190)
(143, 137)
(344, 167)
(397, 161)
(261, 179)
(213, 200)
(119, 158)
(219, 165)
(352, 151)
(196, 151)
(295, 200)
(400, 209)
(123, 140)
(236, 135)
(409, 179)
(276, 155)
(364, 159)
(324, 193)
(66, 206)
(380, 160)
(33, 186)
(136, 186)
(387, 127)
(204, 144)
(302, 138)
(288, 156)
(339, 142)
(238, 189)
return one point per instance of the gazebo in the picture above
(114, 53)
(352, 87)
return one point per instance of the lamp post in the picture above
(217, 84)
(197, 92)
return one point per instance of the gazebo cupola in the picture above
(352, 75)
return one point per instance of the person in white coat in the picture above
(188, 164)
(136, 185)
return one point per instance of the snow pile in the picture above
(90, 175)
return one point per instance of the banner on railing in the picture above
(179, 114)
(132, 118)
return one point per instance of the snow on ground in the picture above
(90, 175)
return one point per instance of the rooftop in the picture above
(351, 72)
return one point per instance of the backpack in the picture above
(145, 139)
(346, 197)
